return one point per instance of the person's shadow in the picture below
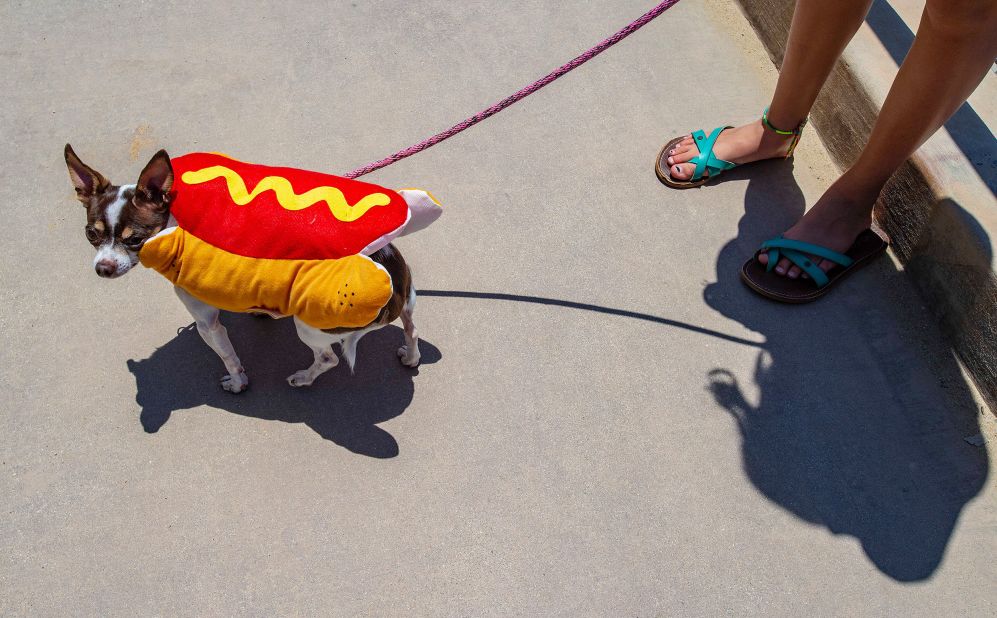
(856, 427)
(339, 407)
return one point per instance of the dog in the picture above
(120, 219)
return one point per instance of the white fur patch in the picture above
(117, 254)
(113, 212)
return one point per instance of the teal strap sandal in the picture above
(761, 279)
(706, 162)
(796, 252)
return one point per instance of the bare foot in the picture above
(744, 144)
(834, 222)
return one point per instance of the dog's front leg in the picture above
(215, 335)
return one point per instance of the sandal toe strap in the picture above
(706, 160)
(797, 252)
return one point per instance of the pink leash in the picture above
(522, 94)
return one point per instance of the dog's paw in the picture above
(301, 378)
(235, 384)
(409, 359)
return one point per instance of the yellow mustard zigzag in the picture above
(286, 196)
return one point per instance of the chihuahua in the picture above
(121, 218)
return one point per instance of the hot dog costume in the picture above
(282, 240)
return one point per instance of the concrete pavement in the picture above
(699, 452)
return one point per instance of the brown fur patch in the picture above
(97, 206)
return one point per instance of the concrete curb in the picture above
(939, 207)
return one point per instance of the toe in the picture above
(685, 171)
(688, 149)
(678, 157)
(794, 272)
(681, 155)
(679, 173)
(782, 267)
(763, 258)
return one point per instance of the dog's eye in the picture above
(92, 235)
(133, 242)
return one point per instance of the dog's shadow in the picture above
(340, 407)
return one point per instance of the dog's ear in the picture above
(155, 181)
(88, 181)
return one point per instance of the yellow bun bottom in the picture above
(337, 293)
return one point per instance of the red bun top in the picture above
(280, 212)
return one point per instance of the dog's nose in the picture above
(105, 268)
